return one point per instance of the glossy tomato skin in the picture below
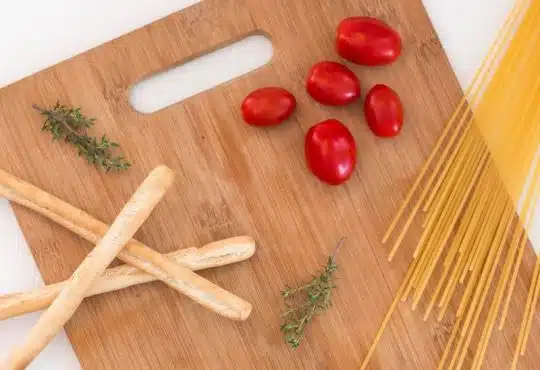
(333, 83)
(367, 41)
(384, 111)
(330, 151)
(268, 106)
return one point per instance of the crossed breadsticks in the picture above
(92, 277)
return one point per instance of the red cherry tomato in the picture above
(367, 41)
(384, 111)
(268, 106)
(330, 151)
(332, 83)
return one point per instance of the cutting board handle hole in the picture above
(181, 82)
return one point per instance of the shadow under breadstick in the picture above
(219, 253)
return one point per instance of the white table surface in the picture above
(35, 34)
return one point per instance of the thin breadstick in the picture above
(135, 253)
(215, 254)
(132, 216)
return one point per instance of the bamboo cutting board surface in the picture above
(233, 179)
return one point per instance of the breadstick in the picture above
(215, 254)
(132, 216)
(135, 253)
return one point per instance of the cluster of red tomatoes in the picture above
(330, 148)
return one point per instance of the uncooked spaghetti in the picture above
(476, 196)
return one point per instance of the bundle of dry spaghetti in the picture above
(475, 198)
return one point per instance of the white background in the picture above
(35, 34)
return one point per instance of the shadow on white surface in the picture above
(18, 272)
(33, 36)
(37, 34)
(467, 30)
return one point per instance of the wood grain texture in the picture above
(126, 224)
(234, 179)
(220, 253)
(175, 275)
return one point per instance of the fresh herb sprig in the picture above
(308, 300)
(70, 124)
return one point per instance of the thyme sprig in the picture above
(71, 125)
(305, 302)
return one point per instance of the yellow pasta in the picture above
(476, 196)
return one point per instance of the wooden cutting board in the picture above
(234, 179)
